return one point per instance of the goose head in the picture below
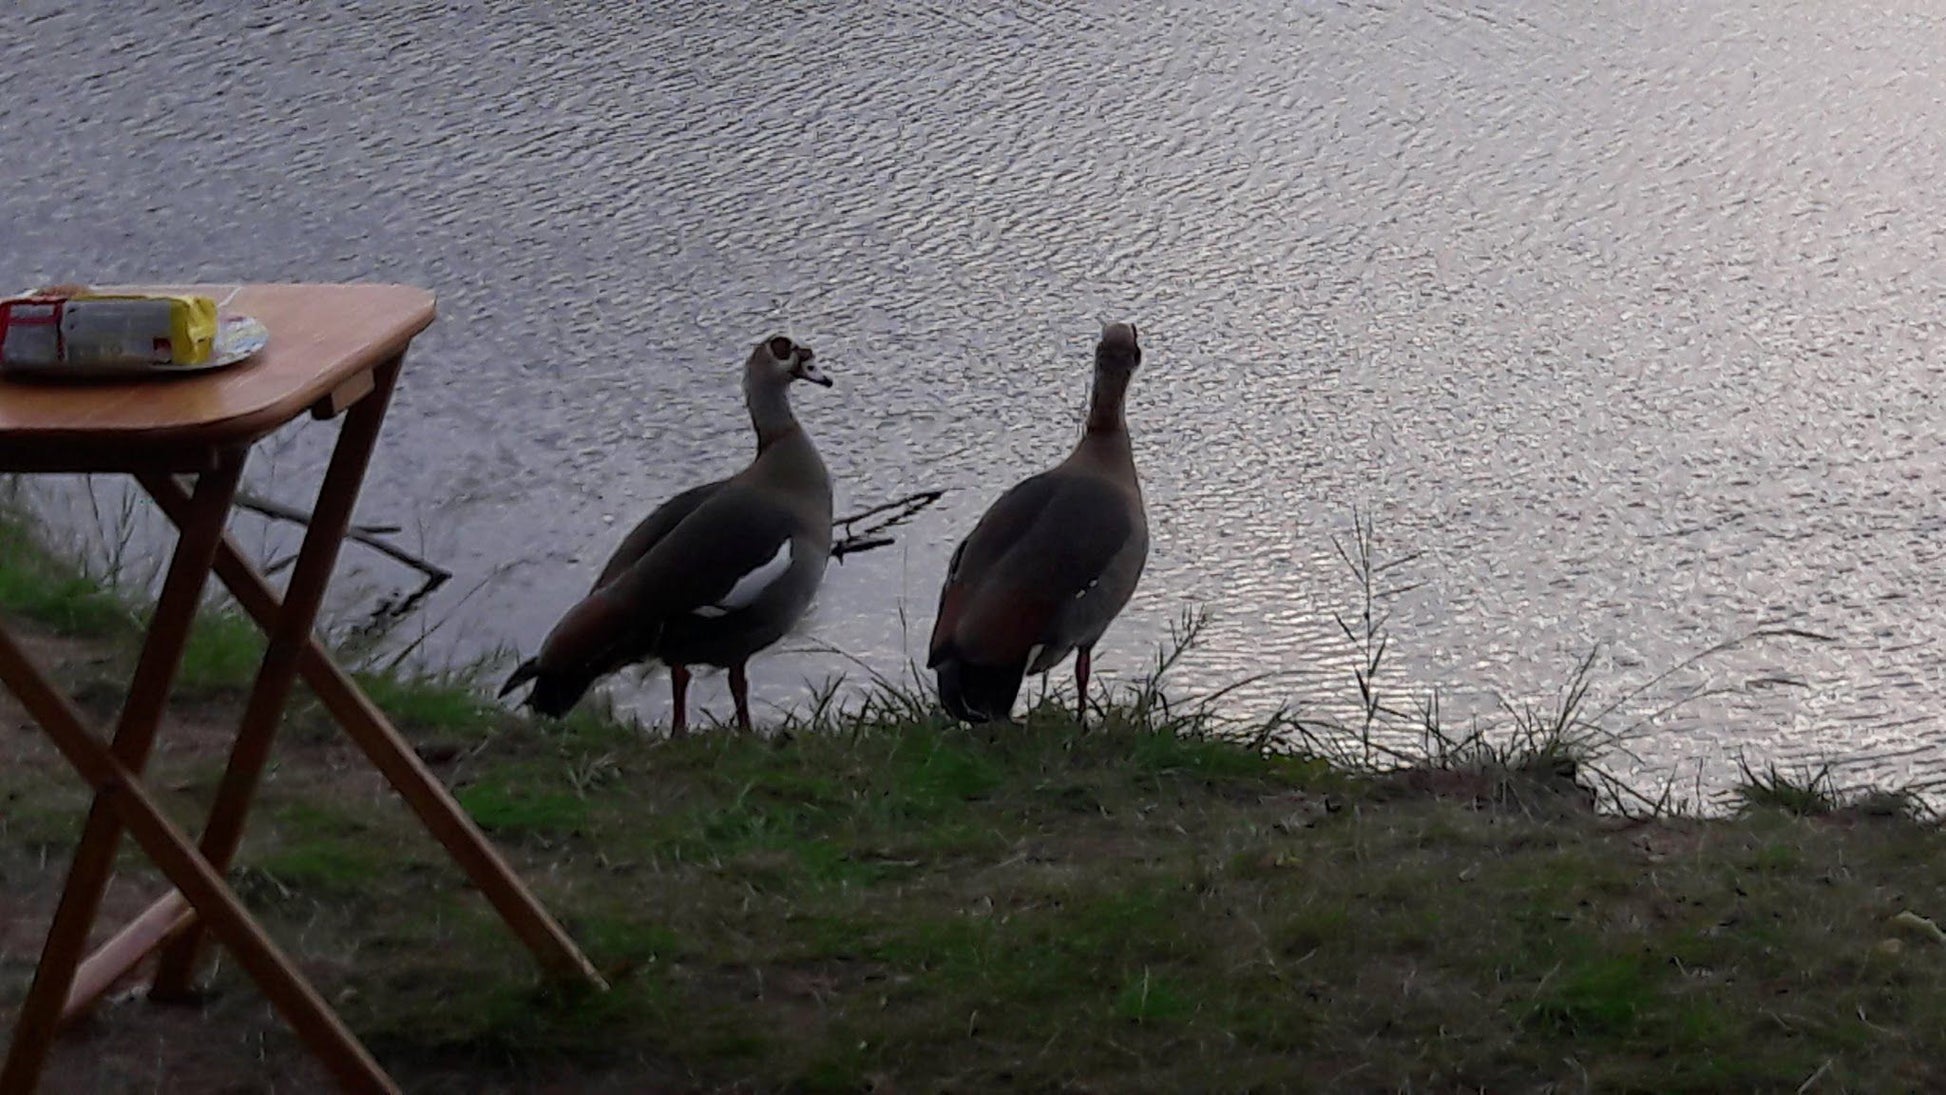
(767, 377)
(1118, 353)
(777, 361)
(1116, 356)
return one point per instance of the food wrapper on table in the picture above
(84, 330)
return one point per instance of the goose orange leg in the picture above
(740, 691)
(1082, 663)
(679, 688)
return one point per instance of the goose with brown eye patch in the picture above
(1051, 563)
(714, 575)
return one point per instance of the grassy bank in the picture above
(875, 900)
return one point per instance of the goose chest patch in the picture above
(750, 586)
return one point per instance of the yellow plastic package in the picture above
(127, 329)
(109, 329)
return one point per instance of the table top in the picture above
(322, 337)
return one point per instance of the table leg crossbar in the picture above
(395, 759)
(65, 986)
(121, 798)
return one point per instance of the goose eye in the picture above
(780, 348)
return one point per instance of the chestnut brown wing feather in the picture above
(1040, 544)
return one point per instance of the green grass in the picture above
(1815, 792)
(1036, 908)
(222, 653)
(313, 848)
(52, 590)
(514, 802)
(1810, 793)
(430, 702)
(1134, 908)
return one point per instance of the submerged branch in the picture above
(889, 515)
(372, 536)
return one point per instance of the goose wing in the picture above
(1044, 543)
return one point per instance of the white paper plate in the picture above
(237, 338)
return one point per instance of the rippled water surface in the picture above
(1618, 320)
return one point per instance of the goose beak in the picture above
(805, 370)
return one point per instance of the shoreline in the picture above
(871, 899)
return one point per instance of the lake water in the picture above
(1619, 321)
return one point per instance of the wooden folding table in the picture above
(334, 349)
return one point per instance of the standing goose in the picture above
(1050, 564)
(716, 573)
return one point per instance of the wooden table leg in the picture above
(120, 793)
(395, 759)
(94, 856)
(294, 649)
(287, 632)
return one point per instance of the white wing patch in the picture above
(749, 587)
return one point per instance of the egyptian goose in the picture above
(1050, 564)
(715, 574)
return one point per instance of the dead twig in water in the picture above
(897, 512)
(257, 503)
(372, 536)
